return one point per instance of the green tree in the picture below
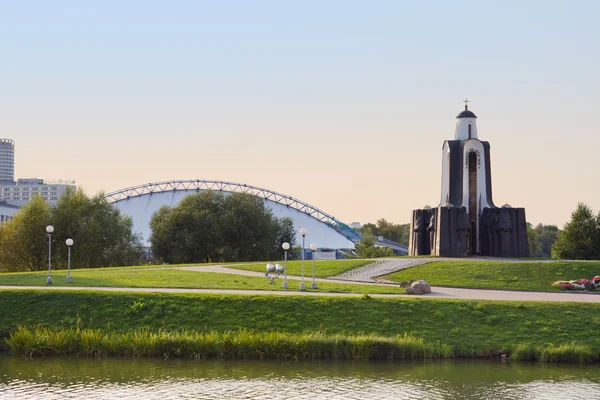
(209, 226)
(102, 236)
(535, 247)
(399, 233)
(366, 248)
(286, 232)
(23, 240)
(547, 235)
(249, 229)
(580, 238)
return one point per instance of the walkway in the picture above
(366, 274)
(437, 293)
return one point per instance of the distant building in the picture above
(355, 225)
(16, 194)
(20, 192)
(7, 161)
(7, 211)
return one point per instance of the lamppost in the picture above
(285, 246)
(69, 243)
(313, 247)
(49, 229)
(303, 232)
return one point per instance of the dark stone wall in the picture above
(504, 232)
(446, 232)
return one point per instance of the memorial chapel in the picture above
(467, 222)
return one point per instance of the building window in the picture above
(469, 131)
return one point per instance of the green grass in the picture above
(40, 341)
(470, 328)
(537, 276)
(323, 268)
(168, 277)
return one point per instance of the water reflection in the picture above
(60, 378)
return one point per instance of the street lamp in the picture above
(313, 247)
(285, 246)
(69, 243)
(49, 229)
(303, 232)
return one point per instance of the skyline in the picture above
(340, 105)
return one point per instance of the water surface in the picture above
(108, 378)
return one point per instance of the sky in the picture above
(342, 104)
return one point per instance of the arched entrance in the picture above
(473, 202)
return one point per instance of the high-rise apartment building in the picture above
(16, 194)
(7, 161)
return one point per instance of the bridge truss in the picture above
(197, 185)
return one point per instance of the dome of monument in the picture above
(466, 113)
(448, 204)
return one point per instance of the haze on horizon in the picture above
(342, 104)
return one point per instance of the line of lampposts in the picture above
(286, 246)
(69, 243)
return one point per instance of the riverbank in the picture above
(529, 330)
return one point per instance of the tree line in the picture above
(213, 227)
(102, 236)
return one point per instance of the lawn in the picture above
(323, 268)
(537, 276)
(169, 277)
(470, 327)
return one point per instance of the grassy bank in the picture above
(323, 268)
(168, 277)
(537, 276)
(469, 328)
(39, 341)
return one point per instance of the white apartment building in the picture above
(16, 194)
(20, 192)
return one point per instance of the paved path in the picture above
(361, 275)
(222, 269)
(437, 292)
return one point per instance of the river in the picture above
(126, 378)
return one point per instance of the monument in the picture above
(467, 222)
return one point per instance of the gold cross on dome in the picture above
(466, 101)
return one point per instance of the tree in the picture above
(535, 248)
(366, 248)
(209, 226)
(249, 229)
(580, 238)
(103, 237)
(547, 235)
(286, 232)
(23, 240)
(399, 233)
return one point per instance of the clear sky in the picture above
(342, 104)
